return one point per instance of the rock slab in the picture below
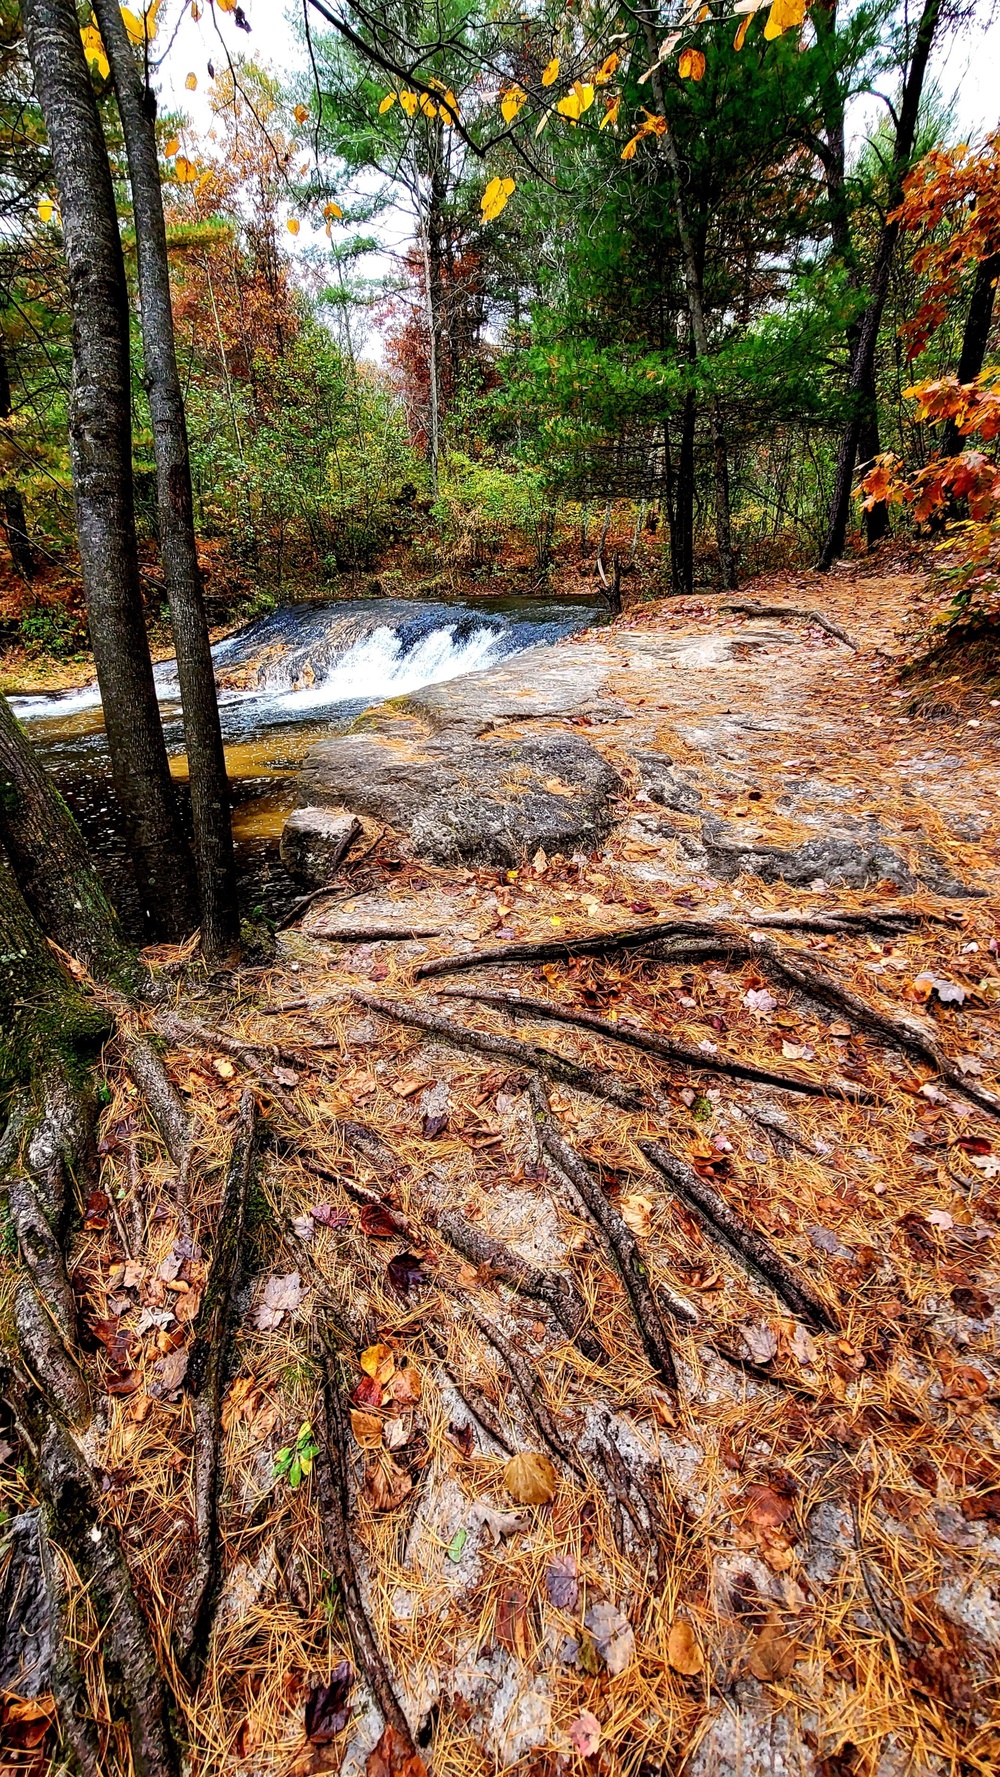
(315, 841)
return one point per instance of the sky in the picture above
(967, 72)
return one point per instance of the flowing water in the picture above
(284, 679)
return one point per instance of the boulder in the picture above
(493, 799)
(315, 842)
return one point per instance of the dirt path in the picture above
(787, 1561)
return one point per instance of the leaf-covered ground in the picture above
(790, 1560)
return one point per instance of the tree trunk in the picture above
(210, 801)
(11, 503)
(44, 1017)
(975, 339)
(682, 540)
(52, 864)
(862, 372)
(101, 453)
(696, 311)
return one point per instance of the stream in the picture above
(284, 679)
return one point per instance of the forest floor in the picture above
(785, 1556)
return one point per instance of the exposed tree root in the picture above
(558, 1291)
(755, 1253)
(570, 1073)
(164, 1101)
(376, 934)
(334, 1489)
(472, 1399)
(620, 1241)
(887, 920)
(653, 1043)
(526, 1379)
(206, 1380)
(751, 608)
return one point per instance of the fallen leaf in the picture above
(394, 1756)
(768, 1508)
(367, 1429)
(285, 1076)
(282, 1296)
(773, 1654)
(839, 1029)
(585, 1733)
(758, 1001)
(987, 1164)
(969, 1144)
(613, 1636)
(948, 992)
(378, 1361)
(797, 1051)
(972, 1301)
(803, 1346)
(530, 1478)
(561, 1582)
(406, 1386)
(637, 1214)
(368, 1393)
(969, 1064)
(683, 1651)
(223, 1068)
(171, 1370)
(327, 1708)
(495, 1524)
(940, 1218)
(330, 1218)
(379, 1221)
(396, 1431)
(760, 1342)
(456, 1547)
(512, 1621)
(386, 1484)
(405, 1273)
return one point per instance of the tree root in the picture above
(205, 1379)
(905, 1032)
(333, 1487)
(569, 1073)
(558, 1291)
(888, 920)
(755, 1253)
(619, 1240)
(472, 1399)
(161, 1096)
(750, 608)
(653, 1043)
(528, 1383)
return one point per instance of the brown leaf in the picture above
(367, 1429)
(972, 1301)
(394, 1757)
(767, 1507)
(386, 1484)
(773, 1653)
(368, 1393)
(379, 1221)
(683, 1652)
(405, 1273)
(282, 1296)
(406, 1386)
(613, 1636)
(530, 1478)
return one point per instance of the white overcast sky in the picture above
(967, 72)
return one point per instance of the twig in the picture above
(653, 1043)
(731, 1231)
(886, 919)
(375, 934)
(557, 1291)
(570, 1073)
(750, 608)
(619, 1237)
(205, 1379)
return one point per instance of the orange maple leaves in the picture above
(953, 198)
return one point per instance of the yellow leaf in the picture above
(185, 169)
(195, 11)
(785, 15)
(300, 113)
(93, 49)
(611, 114)
(495, 197)
(149, 20)
(226, 5)
(409, 102)
(378, 1362)
(428, 106)
(511, 102)
(293, 225)
(170, 148)
(576, 102)
(529, 1478)
(683, 1652)
(332, 209)
(628, 152)
(135, 27)
(387, 103)
(191, 81)
(46, 209)
(606, 69)
(551, 73)
(691, 63)
(740, 38)
(449, 110)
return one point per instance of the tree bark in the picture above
(44, 1017)
(100, 435)
(51, 862)
(862, 371)
(11, 503)
(210, 799)
(696, 311)
(682, 539)
(975, 339)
